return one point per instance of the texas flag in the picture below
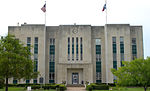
(44, 8)
(104, 7)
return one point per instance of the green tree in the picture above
(15, 60)
(136, 72)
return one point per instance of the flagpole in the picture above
(45, 40)
(106, 45)
(45, 15)
(106, 10)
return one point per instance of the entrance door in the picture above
(75, 78)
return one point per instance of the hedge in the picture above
(94, 86)
(36, 87)
(21, 85)
(59, 87)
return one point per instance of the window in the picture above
(34, 81)
(77, 48)
(114, 40)
(72, 48)
(28, 40)
(98, 49)
(121, 40)
(81, 49)
(15, 81)
(35, 65)
(36, 40)
(115, 65)
(114, 45)
(68, 48)
(27, 81)
(52, 41)
(114, 48)
(98, 42)
(35, 54)
(36, 45)
(51, 77)
(29, 44)
(133, 41)
(98, 60)
(121, 50)
(51, 66)
(98, 77)
(98, 57)
(52, 60)
(134, 49)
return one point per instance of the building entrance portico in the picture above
(74, 76)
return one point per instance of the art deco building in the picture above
(78, 53)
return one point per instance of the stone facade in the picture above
(80, 53)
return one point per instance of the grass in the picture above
(22, 89)
(125, 89)
(113, 89)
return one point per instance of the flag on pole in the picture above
(44, 8)
(104, 7)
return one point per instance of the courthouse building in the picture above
(76, 54)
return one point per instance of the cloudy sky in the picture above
(133, 12)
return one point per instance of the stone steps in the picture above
(75, 85)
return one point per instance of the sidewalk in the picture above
(76, 89)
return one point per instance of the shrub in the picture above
(101, 87)
(21, 85)
(50, 86)
(53, 86)
(94, 86)
(88, 87)
(46, 87)
(62, 87)
(35, 86)
(112, 84)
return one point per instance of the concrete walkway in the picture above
(76, 89)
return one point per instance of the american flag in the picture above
(104, 7)
(44, 8)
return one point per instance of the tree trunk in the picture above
(145, 88)
(6, 89)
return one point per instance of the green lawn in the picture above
(122, 89)
(125, 89)
(22, 89)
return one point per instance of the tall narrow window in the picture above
(68, 48)
(72, 48)
(134, 50)
(121, 50)
(77, 54)
(81, 49)
(15, 81)
(98, 60)
(35, 54)
(34, 81)
(114, 45)
(27, 81)
(52, 60)
(29, 42)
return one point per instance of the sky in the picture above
(63, 12)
